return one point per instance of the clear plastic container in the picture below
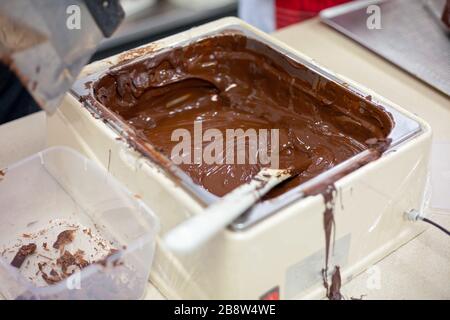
(112, 231)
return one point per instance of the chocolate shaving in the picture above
(22, 254)
(31, 223)
(65, 261)
(45, 257)
(68, 259)
(79, 258)
(64, 238)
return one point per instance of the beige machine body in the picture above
(285, 251)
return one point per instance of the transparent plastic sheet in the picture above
(113, 230)
(47, 52)
(287, 249)
(363, 235)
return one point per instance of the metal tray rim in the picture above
(404, 128)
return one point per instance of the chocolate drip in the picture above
(328, 219)
(334, 292)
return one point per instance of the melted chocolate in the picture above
(230, 82)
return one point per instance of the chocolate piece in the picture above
(64, 238)
(41, 265)
(67, 259)
(51, 278)
(54, 273)
(17, 37)
(22, 254)
(79, 259)
(328, 219)
(231, 82)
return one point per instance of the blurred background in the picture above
(149, 20)
(409, 38)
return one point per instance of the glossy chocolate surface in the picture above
(230, 81)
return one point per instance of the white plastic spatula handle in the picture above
(192, 233)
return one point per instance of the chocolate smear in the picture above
(79, 259)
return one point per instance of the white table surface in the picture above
(419, 269)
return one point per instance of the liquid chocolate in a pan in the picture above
(231, 82)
